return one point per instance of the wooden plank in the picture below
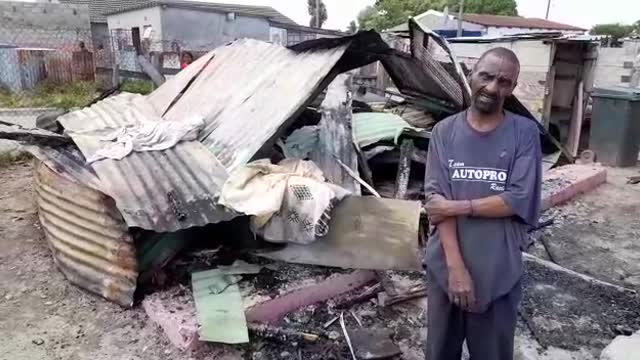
(575, 128)
(150, 70)
(548, 97)
(364, 233)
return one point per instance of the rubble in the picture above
(146, 204)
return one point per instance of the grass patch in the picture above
(137, 87)
(48, 94)
(9, 158)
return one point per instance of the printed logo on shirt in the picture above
(497, 178)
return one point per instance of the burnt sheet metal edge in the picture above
(67, 161)
(416, 27)
(163, 191)
(88, 237)
(413, 75)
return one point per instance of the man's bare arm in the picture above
(438, 208)
(449, 238)
(461, 289)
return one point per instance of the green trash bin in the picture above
(615, 126)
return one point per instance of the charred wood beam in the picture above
(404, 169)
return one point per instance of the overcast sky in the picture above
(583, 13)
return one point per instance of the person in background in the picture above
(483, 185)
(185, 59)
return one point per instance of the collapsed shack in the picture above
(115, 215)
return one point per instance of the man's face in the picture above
(492, 81)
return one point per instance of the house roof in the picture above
(98, 8)
(517, 22)
(496, 21)
(309, 29)
(247, 10)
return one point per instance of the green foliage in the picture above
(7, 159)
(493, 7)
(137, 86)
(616, 31)
(386, 14)
(311, 8)
(50, 94)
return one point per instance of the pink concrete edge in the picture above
(273, 310)
(581, 186)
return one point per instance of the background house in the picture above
(487, 25)
(203, 26)
(97, 10)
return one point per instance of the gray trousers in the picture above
(489, 335)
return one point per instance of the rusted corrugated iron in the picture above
(59, 67)
(32, 67)
(82, 66)
(89, 239)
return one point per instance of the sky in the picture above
(584, 13)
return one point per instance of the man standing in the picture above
(483, 185)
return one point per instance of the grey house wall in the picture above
(100, 35)
(205, 30)
(48, 25)
(141, 18)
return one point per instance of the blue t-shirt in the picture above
(465, 164)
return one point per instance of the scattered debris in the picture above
(174, 311)
(346, 336)
(634, 180)
(283, 335)
(570, 311)
(371, 344)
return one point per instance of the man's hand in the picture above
(438, 208)
(461, 292)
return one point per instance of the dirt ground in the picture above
(598, 234)
(42, 316)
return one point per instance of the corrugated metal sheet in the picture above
(89, 239)
(67, 161)
(370, 128)
(32, 67)
(248, 91)
(163, 191)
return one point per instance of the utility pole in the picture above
(460, 13)
(318, 14)
(548, 8)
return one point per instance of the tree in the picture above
(353, 27)
(389, 13)
(311, 7)
(493, 7)
(615, 31)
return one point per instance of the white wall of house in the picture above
(142, 18)
(614, 64)
(441, 22)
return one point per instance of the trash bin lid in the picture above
(617, 92)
